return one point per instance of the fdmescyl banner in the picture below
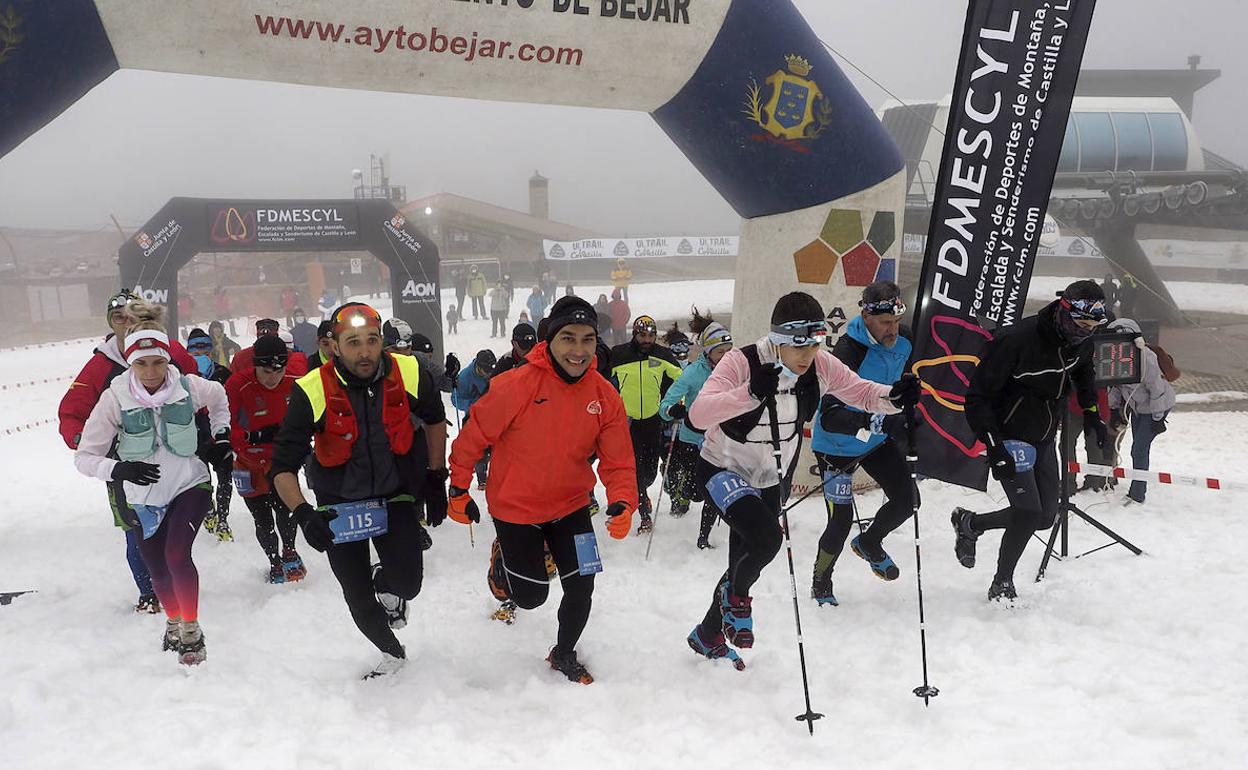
(1007, 120)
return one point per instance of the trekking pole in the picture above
(924, 691)
(810, 716)
(670, 448)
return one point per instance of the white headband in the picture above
(147, 342)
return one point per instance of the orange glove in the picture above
(461, 507)
(619, 520)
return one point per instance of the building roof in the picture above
(470, 208)
(56, 252)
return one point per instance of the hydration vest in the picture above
(326, 393)
(806, 390)
(175, 423)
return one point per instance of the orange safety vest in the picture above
(332, 445)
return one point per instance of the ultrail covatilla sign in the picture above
(642, 248)
(1015, 81)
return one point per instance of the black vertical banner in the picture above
(1015, 81)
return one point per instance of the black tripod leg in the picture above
(1106, 531)
(1048, 549)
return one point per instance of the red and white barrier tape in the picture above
(31, 383)
(27, 426)
(1157, 476)
(84, 341)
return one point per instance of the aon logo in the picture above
(157, 296)
(413, 289)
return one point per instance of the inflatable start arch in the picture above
(743, 87)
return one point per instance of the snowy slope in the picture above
(1117, 661)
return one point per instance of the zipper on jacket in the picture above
(372, 475)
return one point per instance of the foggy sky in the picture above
(141, 137)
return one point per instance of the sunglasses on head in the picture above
(271, 363)
(892, 306)
(800, 333)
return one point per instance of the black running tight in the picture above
(523, 552)
(888, 467)
(273, 520)
(1033, 497)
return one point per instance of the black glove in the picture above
(905, 391)
(219, 451)
(1000, 461)
(452, 366)
(764, 382)
(835, 417)
(678, 411)
(1092, 420)
(263, 436)
(435, 495)
(315, 525)
(136, 472)
(615, 509)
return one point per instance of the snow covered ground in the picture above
(1116, 660)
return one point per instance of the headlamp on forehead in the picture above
(892, 306)
(355, 317)
(799, 333)
(121, 300)
(272, 363)
(681, 348)
(580, 316)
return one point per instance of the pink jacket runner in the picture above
(726, 395)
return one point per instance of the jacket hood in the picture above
(108, 349)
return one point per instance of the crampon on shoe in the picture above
(191, 649)
(679, 508)
(965, 537)
(567, 664)
(506, 612)
(1002, 592)
(821, 590)
(714, 649)
(496, 575)
(881, 563)
(704, 542)
(395, 606)
(292, 566)
(148, 604)
(210, 523)
(389, 664)
(646, 526)
(172, 636)
(277, 574)
(738, 623)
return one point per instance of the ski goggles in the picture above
(892, 306)
(355, 316)
(199, 345)
(799, 333)
(680, 348)
(1086, 310)
(272, 363)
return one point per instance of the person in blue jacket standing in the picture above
(471, 384)
(877, 347)
(714, 341)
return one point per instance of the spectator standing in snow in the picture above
(476, 292)
(500, 305)
(1147, 403)
(621, 277)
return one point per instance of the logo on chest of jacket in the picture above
(594, 407)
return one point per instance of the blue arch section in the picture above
(771, 121)
(51, 53)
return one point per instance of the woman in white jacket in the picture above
(1149, 402)
(149, 411)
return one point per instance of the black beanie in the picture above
(324, 329)
(568, 311)
(1084, 289)
(796, 306)
(268, 345)
(421, 343)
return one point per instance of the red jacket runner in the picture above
(86, 388)
(253, 407)
(543, 430)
